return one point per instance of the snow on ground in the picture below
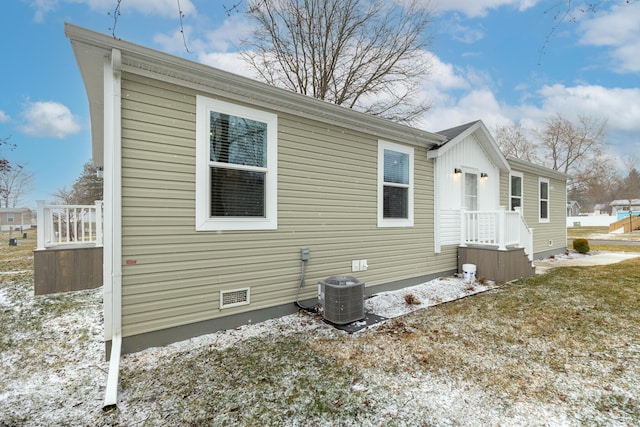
(61, 375)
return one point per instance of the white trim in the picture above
(247, 301)
(548, 199)
(469, 171)
(521, 176)
(394, 222)
(203, 222)
(112, 255)
(436, 208)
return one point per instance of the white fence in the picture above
(591, 221)
(69, 225)
(499, 228)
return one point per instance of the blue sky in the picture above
(491, 60)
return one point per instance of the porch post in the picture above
(40, 225)
(501, 229)
(99, 204)
(463, 227)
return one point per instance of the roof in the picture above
(451, 133)
(457, 134)
(14, 210)
(625, 202)
(536, 169)
(97, 53)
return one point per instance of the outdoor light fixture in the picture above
(457, 170)
(484, 175)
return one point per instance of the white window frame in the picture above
(540, 199)
(521, 176)
(204, 222)
(394, 222)
(465, 172)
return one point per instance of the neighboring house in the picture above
(15, 219)
(601, 209)
(214, 183)
(573, 208)
(621, 208)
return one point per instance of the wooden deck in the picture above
(67, 269)
(496, 265)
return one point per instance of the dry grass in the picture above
(565, 344)
(569, 336)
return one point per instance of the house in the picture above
(621, 208)
(520, 206)
(573, 208)
(222, 195)
(15, 219)
(601, 209)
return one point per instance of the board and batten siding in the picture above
(548, 237)
(327, 201)
(468, 156)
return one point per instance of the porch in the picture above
(68, 255)
(499, 243)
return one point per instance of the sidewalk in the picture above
(577, 260)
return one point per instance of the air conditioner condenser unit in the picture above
(341, 299)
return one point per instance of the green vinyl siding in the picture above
(543, 232)
(327, 201)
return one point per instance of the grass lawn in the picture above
(557, 349)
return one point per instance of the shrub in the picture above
(581, 245)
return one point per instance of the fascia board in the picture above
(146, 61)
(526, 166)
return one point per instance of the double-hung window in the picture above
(543, 196)
(236, 167)
(395, 185)
(515, 191)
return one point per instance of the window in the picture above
(543, 196)
(395, 185)
(236, 167)
(470, 191)
(515, 191)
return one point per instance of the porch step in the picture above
(492, 264)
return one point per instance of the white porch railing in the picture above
(499, 228)
(69, 225)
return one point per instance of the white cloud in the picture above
(3, 117)
(48, 120)
(618, 29)
(231, 62)
(620, 106)
(42, 7)
(476, 8)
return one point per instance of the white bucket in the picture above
(469, 272)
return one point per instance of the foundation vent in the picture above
(234, 298)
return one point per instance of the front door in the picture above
(470, 196)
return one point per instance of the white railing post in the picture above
(501, 229)
(69, 225)
(463, 227)
(40, 223)
(99, 208)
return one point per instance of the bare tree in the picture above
(4, 163)
(15, 182)
(87, 188)
(513, 141)
(366, 55)
(569, 11)
(573, 148)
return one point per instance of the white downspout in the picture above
(112, 270)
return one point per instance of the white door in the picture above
(470, 196)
